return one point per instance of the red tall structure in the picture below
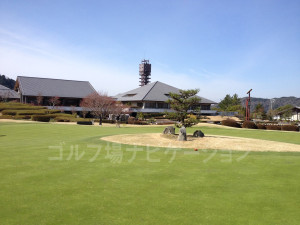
(248, 103)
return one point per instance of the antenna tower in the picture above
(248, 103)
(145, 72)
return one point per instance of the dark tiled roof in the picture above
(34, 86)
(8, 93)
(156, 91)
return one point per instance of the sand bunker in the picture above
(208, 142)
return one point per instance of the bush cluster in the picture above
(51, 111)
(108, 121)
(22, 117)
(23, 112)
(31, 112)
(41, 118)
(62, 119)
(6, 117)
(154, 115)
(18, 106)
(261, 126)
(273, 127)
(132, 120)
(85, 122)
(230, 123)
(249, 125)
(290, 128)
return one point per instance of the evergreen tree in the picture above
(7, 82)
(182, 102)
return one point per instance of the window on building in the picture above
(205, 107)
(150, 105)
(129, 95)
(162, 105)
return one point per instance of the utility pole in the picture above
(248, 103)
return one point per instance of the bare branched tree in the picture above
(54, 101)
(84, 106)
(39, 99)
(100, 105)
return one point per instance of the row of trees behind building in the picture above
(234, 104)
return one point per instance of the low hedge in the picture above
(19, 106)
(138, 122)
(230, 123)
(63, 119)
(9, 112)
(22, 117)
(155, 115)
(52, 111)
(6, 117)
(273, 127)
(85, 122)
(290, 128)
(107, 121)
(53, 115)
(31, 112)
(23, 112)
(261, 126)
(41, 118)
(249, 125)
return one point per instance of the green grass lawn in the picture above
(103, 183)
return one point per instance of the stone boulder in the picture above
(182, 134)
(169, 130)
(198, 133)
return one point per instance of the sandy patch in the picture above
(208, 142)
(16, 121)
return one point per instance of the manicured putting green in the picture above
(97, 182)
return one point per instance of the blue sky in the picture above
(220, 47)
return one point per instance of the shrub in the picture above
(107, 121)
(31, 112)
(9, 112)
(230, 123)
(22, 117)
(155, 115)
(85, 122)
(41, 118)
(63, 119)
(132, 120)
(51, 111)
(138, 122)
(6, 117)
(261, 126)
(273, 127)
(290, 128)
(249, 125)
(53, 115)
(18, 106)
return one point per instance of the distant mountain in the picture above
(7, 82)
(277, 102)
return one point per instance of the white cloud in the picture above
(30, 56)
(49, 62)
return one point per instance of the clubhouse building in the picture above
(149, 98)
(152, 97)
(69, 92)
(7, 94)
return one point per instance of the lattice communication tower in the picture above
(145, 72)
